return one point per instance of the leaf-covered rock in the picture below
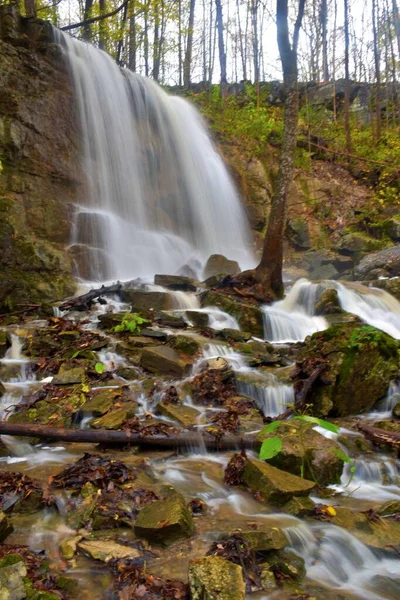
(165, 521)
(214, 578)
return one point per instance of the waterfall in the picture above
(157, 193)
(272, 398)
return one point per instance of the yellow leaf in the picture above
(330, 511)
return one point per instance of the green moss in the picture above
(10, 559)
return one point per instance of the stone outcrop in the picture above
(39, 169)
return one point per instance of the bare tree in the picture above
(347, 77)
(221, 45)
(189, 46)
(324, 32)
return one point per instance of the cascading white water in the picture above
(373, 305)
(372, 479)
(293, 319)
(157, 193)
(272, 398)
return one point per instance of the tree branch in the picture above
(95, 19)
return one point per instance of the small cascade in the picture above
(338, 560)
(235, 360)
(272, 398)
(293, 318)
(379, 480)
(217, 318)
(373, 305)
(383, 410)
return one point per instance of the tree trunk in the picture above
(221, 45)
(347, 78)
(146, 38)
(375, 23)
(87, 30)
(30, 8)
(189, 46)
(269, 271)
(242, 53)
(156, 56)
(132, 37)
(396, 20)
(324, 30)
(102, 25)
(254, 20)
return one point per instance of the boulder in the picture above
(198, 318)
(176, 282)
(328, 304)
(154, 334)
(184, 344)
(101, 402)
(144, 301)
(4, 343)
(164, 320)
(289, 563)
(107, 550)
(361, 362)
(12, 578)
(298, 233)
(249, 316)
(299, 507)
(357, 243)
(233, 335)
(386, 262)
(392, 286)
(185, 415)
(396, 411)
(274, 485)
(392, 228)
(214, 578)
(165, 521)
(68, 547)
(217, 263)
(163, 359)
(264, 539)
(316, 454)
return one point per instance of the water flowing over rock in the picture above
(153, 178)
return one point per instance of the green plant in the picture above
(130, 322)
(364, 335)
(99, 367)
(273, 445)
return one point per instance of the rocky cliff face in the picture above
(39, 173)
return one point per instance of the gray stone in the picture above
(70, 377)
(214, 578)
(388, 261)
(163, 359)
(165, 521)
(217, 263)
(12, 579)
(176, 282)
(298, 233)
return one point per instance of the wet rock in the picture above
(70, 377)
(2, 390)
(328, 304)
(392, 227)
(265, 538)
(214, 578)
(249, 316)
(386, 262)
(357, 243)
(127, 373)
(164, 320)
(392, 507)
(110, 320)
(101, 402)
(302, 447)
(4, 343)
(274, 485)
(298, 233)
(12, 578)
(79, 516)
(287, 562)
(107, 550)
(144, 301)
(57, 409)
(163, 359)
(233, 335)
(267, 578)
(258, 353)
(116, 417)
(68, 547)
(217, 364)
(176, 282)
(396, 411)
(361, 362)
(135, 342)
(198, 318)
(185, 415)
(5, 527)
(154, 334)
(185, 344)
(392, 286)
(165, 521)
(217, 263)
(299, 507)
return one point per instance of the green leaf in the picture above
(352, 469)
(270, 448)
(342, 455)
(320, 422)
(99, 368)
(270, 427)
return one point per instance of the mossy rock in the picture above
(217, 263)
(299, 507)
(176, 282)
(249, 316)
(70, 376)
(12, 578)
(233, 335)
(107, 550)
(316, 453)
(58, 412)
(165, 521)
(6, 527)
(274, 485)
(145, 301)
(214, 578)
(185, 344)
(185, 415)
(395, 411)
(101, 402)
(198, 318)
(116, 417)
(4, 343)
(265, 538)
(328, 304)
(288, 563)
(362, 360)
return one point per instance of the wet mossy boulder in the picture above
(395, 411)
(361, 361)
(299, 507)
(115, 417)
(55, 409)
(12, 577)
(264, 538)
(304, 448)
(288, 563)
(70, 376)
(233, 335)
(373, 266)
(197, 318)
(214, 578)
(165, 521)
(5, 527)
(217, 263)
(249, 316)
(176, 282)
(101, 401)
(144, 301)
(328, 304)
(392, 286)
(274, 485)
(185, 415)
(163, 359)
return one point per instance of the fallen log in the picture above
(84, 302)
(380, 436)
(186, 441)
